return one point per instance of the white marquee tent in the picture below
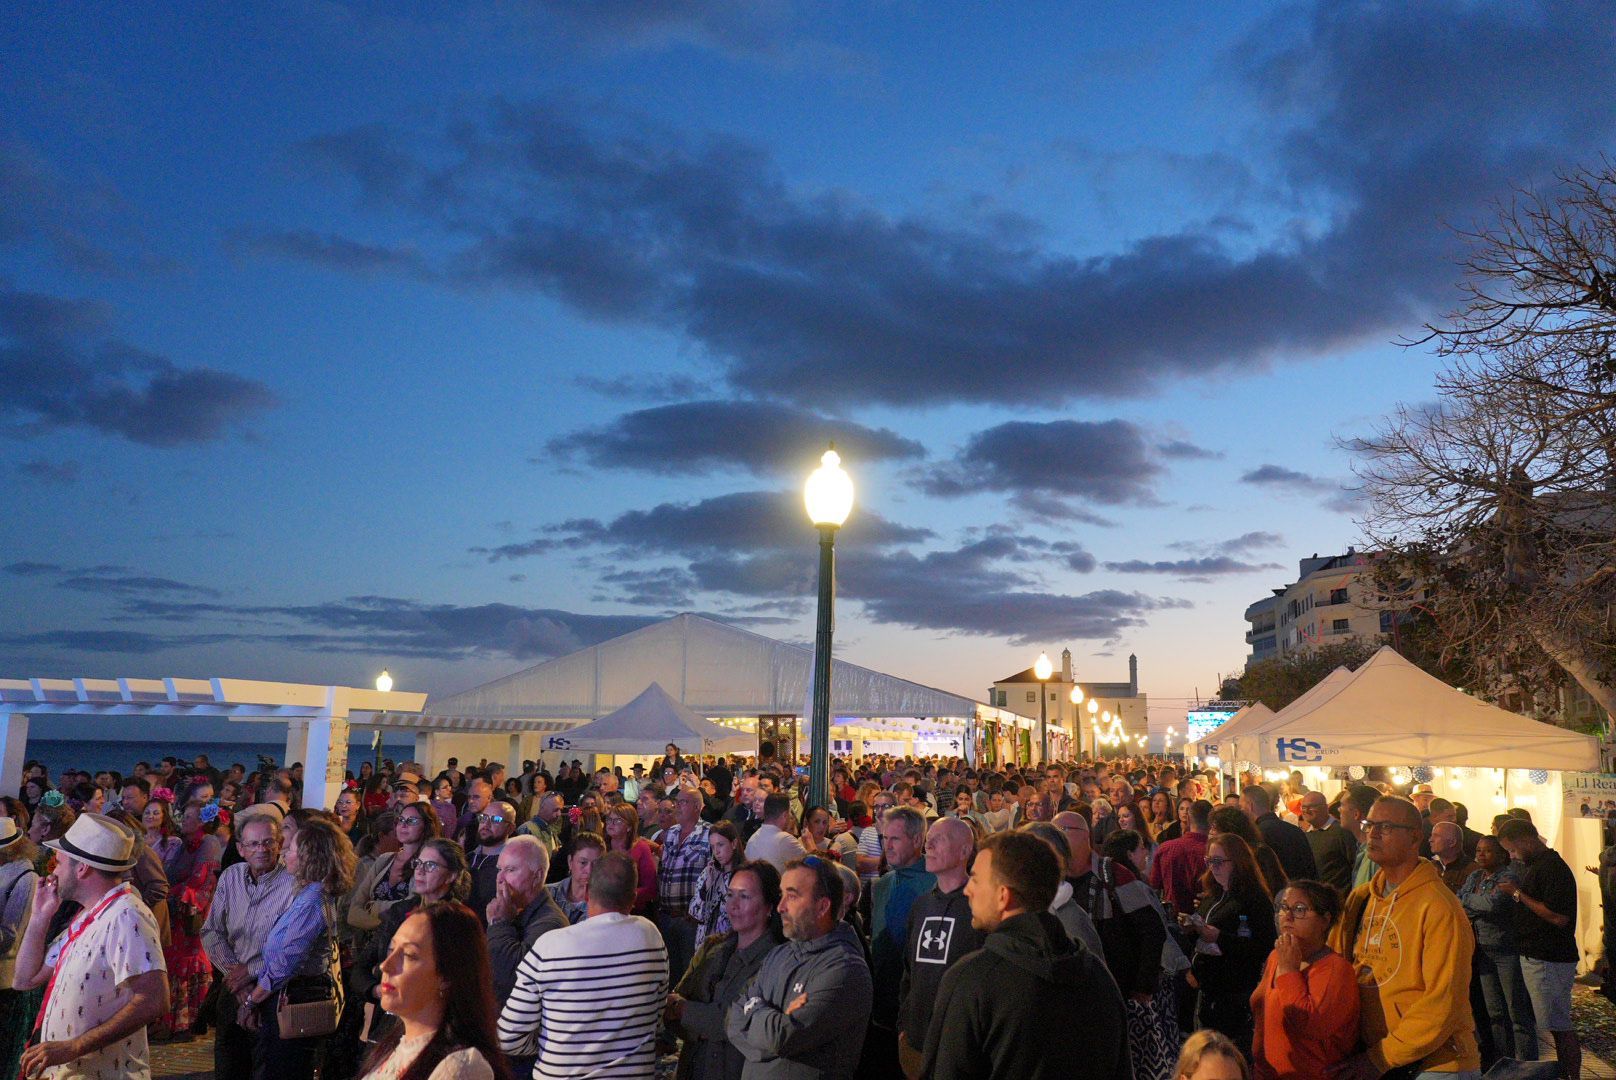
(1389, 712)
(647, 724)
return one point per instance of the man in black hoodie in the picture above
(1008, 1009)
(940, 934)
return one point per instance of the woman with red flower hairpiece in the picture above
(197, 872)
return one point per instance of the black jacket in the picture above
(1290, 844)
(1012, 1009)
(712, 982)
(940, 935)
(509, 942)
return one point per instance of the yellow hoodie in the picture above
(1412, 948)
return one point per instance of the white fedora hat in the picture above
(98, 841)
(9, 833)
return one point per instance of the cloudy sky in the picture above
(454, 337)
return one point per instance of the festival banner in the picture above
(1589, 795)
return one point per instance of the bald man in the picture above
(940, 933)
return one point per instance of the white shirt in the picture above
(91, 986)
(467, 1064)
(774, 845)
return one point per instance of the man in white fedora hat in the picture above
(105, 976)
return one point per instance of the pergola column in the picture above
(325, 753)
(425, 753)
(513, 755)
(13, 750)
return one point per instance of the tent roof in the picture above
(1242, 744)
(647, 724)
(714, 669)
(1392, 713)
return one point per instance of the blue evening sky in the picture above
(453, 337)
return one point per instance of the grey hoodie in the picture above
(820, 1040)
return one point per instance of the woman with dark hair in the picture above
(437, 981)
(191, 884)
(1305, 1008)
(157, 823)
(33, 790)
(51, 822)
(622, 825)
(349, 810)
(1141, 952)
(387, 880)
(1233, 928)
(720, 972)
(1232, 819)
(707, 906)
(443, 801)
(440, 873)
(302, 943)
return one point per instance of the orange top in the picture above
(1305, 1021)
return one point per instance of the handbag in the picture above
(310, 1006)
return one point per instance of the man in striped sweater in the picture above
(588, 997)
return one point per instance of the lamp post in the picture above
(1041, 671)
(1077, 720)
(829, 499)
(384, 683)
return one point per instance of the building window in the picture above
(1385, 622)
(1338, 596)
(1339, 626)
(1032, 695)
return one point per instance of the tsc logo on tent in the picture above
(557, 742)
(1299, 749)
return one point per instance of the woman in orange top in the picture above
(1305, 1009)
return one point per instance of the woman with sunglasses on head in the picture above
(1233, 932)
(439, 872)
(1305, 1008)
(387, 880)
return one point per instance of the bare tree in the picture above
(1496, 506)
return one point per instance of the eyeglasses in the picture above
(1297, 911)
(495, 818)
(426, 864)
(411, 821)
(1382, 826)
(256, 845)
(1218, 860)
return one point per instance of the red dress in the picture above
(189, 971)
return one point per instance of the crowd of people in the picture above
(707, 918)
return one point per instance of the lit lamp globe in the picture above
(1094, 707)
(1077, 695)
(829, 493)
(384, 681)
(1043, 669)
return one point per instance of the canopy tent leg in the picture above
(13, 750)
(424, 753)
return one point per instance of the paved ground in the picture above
(1594, 1016)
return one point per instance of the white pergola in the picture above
(317, 718)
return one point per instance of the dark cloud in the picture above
(742, 521)
(83, 226)
(1238, 545)
(1107, 462)
(107, 580)
(130, 642)
(645, 388)
(327, 249)
(60, 368)
(31, 569)
(822, 299)
(1179, 450)
(1202, 569)
(758, 436)
(667, 588)
(1278, 476)
(773, 32)
(50, 472)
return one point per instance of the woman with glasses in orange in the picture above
(1305, 1009)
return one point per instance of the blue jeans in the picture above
(1509, 1006)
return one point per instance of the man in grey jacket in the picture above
(801, 1017)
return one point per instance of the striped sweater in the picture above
(587, 1000)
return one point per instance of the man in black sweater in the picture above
(1287, 841)
(940, 934)
(1028, 1004)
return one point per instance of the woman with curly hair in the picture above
(157, 822)
(190, 896)
(302, 943)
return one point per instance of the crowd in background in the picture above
(1108, 919)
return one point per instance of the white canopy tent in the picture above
(1389, 712)
(647, 724)
(1243, 745)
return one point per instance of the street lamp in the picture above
(384, 681)
(829, 499)
(1077, 720)
(1041, 671)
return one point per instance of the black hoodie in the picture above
(1029, 1004)
(940, 935)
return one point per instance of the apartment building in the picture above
(1329, 601)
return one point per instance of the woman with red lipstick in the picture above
(436, 980)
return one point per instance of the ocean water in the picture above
(121, 755)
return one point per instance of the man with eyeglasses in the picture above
(494, 825)
(250, 897)
(1410, 941)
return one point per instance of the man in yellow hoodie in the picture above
(1411, 943)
